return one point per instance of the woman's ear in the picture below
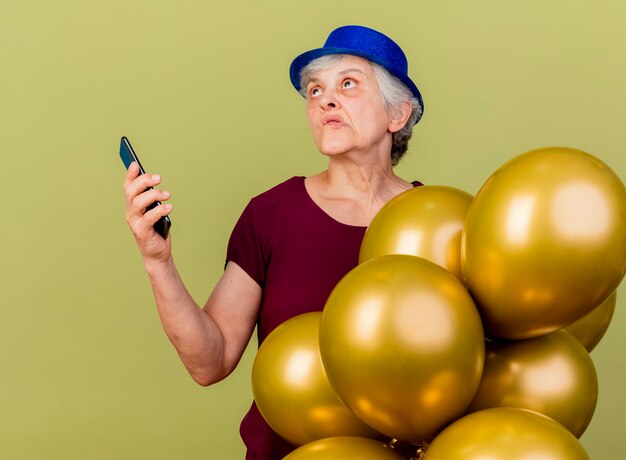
(399, 117)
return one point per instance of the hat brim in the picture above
(304, 59)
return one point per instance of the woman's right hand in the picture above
(153, 247)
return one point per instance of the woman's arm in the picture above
(209, 341)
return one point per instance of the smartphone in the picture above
(128, 155)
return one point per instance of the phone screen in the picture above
(128, 155)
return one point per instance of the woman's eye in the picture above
(315, 92)
(349, 83)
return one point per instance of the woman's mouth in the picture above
(333, 122)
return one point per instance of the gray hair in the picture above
(393, 93)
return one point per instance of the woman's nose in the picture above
(328, 101)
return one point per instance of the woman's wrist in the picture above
(166, 284)
(156, 268)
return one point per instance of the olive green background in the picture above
(202, 91)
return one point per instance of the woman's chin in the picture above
(333, 150)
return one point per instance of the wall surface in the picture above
(202, 91)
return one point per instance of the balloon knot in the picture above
(409, 451)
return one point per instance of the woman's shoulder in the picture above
(266, 210)
(285, 191)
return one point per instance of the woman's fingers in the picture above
(143, 200)
(139, 196)
(141, 220)
(139, 184)
(151, 217)
(131, 174)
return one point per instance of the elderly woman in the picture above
(294, 242)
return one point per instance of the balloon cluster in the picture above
(465, 330)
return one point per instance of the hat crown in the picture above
(371, 43)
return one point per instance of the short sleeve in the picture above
(245, 247)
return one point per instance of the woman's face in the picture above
(346, 111)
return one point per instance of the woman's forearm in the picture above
(193, 333)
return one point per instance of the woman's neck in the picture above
(373, 179)
(354, 192)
